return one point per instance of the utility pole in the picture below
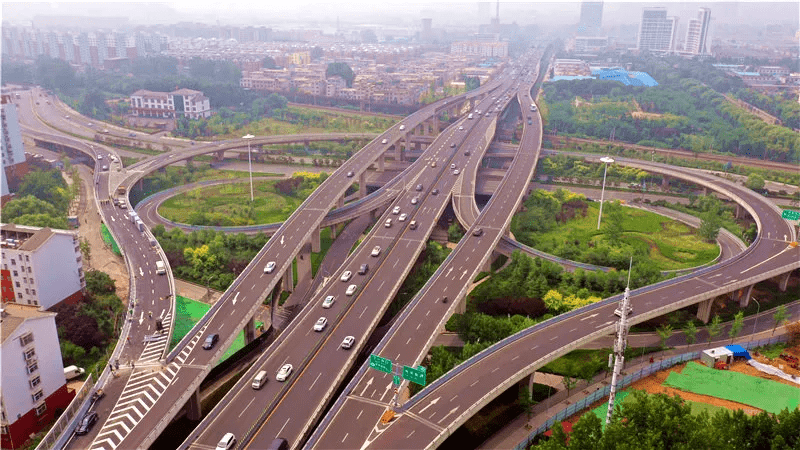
(620, 342)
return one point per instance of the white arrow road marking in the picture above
(589, 317)
(235, 297)
(388, 387)
(365, 387)
(463, 275)
(448, 271)
(281, 239)
(433, 402)
(445, 416)
(141, 317)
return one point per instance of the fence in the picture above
(65, 420)
(629, 379)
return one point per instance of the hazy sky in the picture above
(445, 13)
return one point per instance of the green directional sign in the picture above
(415, 375)
(788, 214)
(381, 364)
(396, 380)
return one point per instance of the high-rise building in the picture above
(591, 18)
(657, 31)
(13, 152)
(34, 388)
(697, 32)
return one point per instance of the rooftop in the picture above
(13, 315)
(23, 237)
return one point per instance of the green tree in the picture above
(613, 220)
(86, 251)
(690, 330)
(47, 185)
(664, 332)
(755, 182)
(41, 220)
(526, 401)
(569, 383)
(714, 328)
(736, 326)
(99, 283)
(455, 232)
(341, 69)
(710, 223)
(268, 63)
(780, 316)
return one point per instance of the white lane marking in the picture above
(141, 317)
(247, 408)
(473, 383)
(315, 381)
(589, 317)
(284, 426)
(362, 312)
(448, 414)
(495, 369)
(235, 297)
(365, 387)
(432, 402)
(345, 437)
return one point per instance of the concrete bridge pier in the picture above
(398, 151)
(436, 124)
(250, 330)
(362, 185)
(381, 163)
(315, 244)
(665, 183)
(333, 231)
(744, 295)
(340, 202)
(304, 263)
(704, 310)
(193, 409)
(739, 211)
(288, 280)
(461, 308)
(219, 156)
(783, 281)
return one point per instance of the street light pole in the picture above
(756, 318)
(606, 160)
(249, 163)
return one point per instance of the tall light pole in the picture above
(250, 164)
(606, 160)
(755, 321)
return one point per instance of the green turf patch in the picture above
(109, 240)
(761, 393)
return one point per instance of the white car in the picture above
(227, 442)
(385, 141)
(376, 251)
(402, 217)
(321, 324)
(284, 373)
(415, 200)
(460, 128)
(348, 342)
(402, 127)
(396, 210)
(351, 289)
(456, 172)
(328, 302)
(269, 267)
(453, 166)
(346, 275)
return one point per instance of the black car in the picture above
(86, 423)
(210, 341)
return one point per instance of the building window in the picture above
(35, 381)
(15, 273)
(13, 262)
(4, 429)
(25, 339)
(33, 291)
(40, 410)
(27, 258)
(17, 283)
(33, 367)
(30, 269)
(19, 294)
(37, 396)
(28, 291)
(29, 354)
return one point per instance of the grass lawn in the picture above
(671, 244)
(230, 200)
(573, 363)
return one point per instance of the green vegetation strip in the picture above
(108, 239)
(768, 395)
(188, 312)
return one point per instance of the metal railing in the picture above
(55, 438)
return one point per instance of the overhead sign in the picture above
(415, 375)
(380, 364)
(788, 214)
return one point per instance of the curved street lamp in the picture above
(249, 163)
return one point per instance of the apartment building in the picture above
(13, 152)
(179, 103)
(40, 266)
(481, 49)
(657, 31)
(32, 381)
(697, 33)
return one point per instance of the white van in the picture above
(469, 116)
(71, 372)
(161, 269)
(259, 380)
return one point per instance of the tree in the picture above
(526, 401)
(690, 330)
(455, 232)
(47, 185)
(86, 251)
(268, 63)
(710, 223)
(664, 332)
(755, 182)
(714, 328)
(780, 316)
(341, 69)
(569, 383)
(614, 220)
(736, 326)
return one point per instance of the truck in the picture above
(139, 225)
(71, 372)
(161, 269)
(132, 216)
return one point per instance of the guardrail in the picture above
(55, 438)
(627, 380)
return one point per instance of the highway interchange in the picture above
(281, 409)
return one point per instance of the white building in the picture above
(32, 382)
(697, 33)
(182, 102)
(190, 103)
(657, 31)
(40, 266)
(13, 152)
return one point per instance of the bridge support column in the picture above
(315, 244)
(250, 330)
(665, 182)
(526, 382)
(333, 231)
(288, 280)
(739, 211)
(340, 202)
(704, 310)
(304, 264)
(783, 281)
(398, 152)
(362, 185)
(744, 299)
(193, 408)
(381, 163)
(435, 124)
(461, 308)
(219, 156)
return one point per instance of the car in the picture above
(402, 127)
(412, 225)
(89, 124)
(66, 117)
(402, 217)
(269, 267)
(348, 342)
(461, 128)
(351, 289)
(388, 223)
(346, 275)
(350, 174)
(376, 251)
(284, 373)
(419, 187)
(210, 341)
(362, 270)
(433, 163)
(466, 152)
(477, 232)
(396, 210)
(227, 442)
(105, 167)
(453, 166)
(131, 134)
(415, 200)
(321, 324)
(328, 302)
(435, 191)
(99, 157)
(452, 145)
(385, 141)
(456, 172)
(86, 423)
